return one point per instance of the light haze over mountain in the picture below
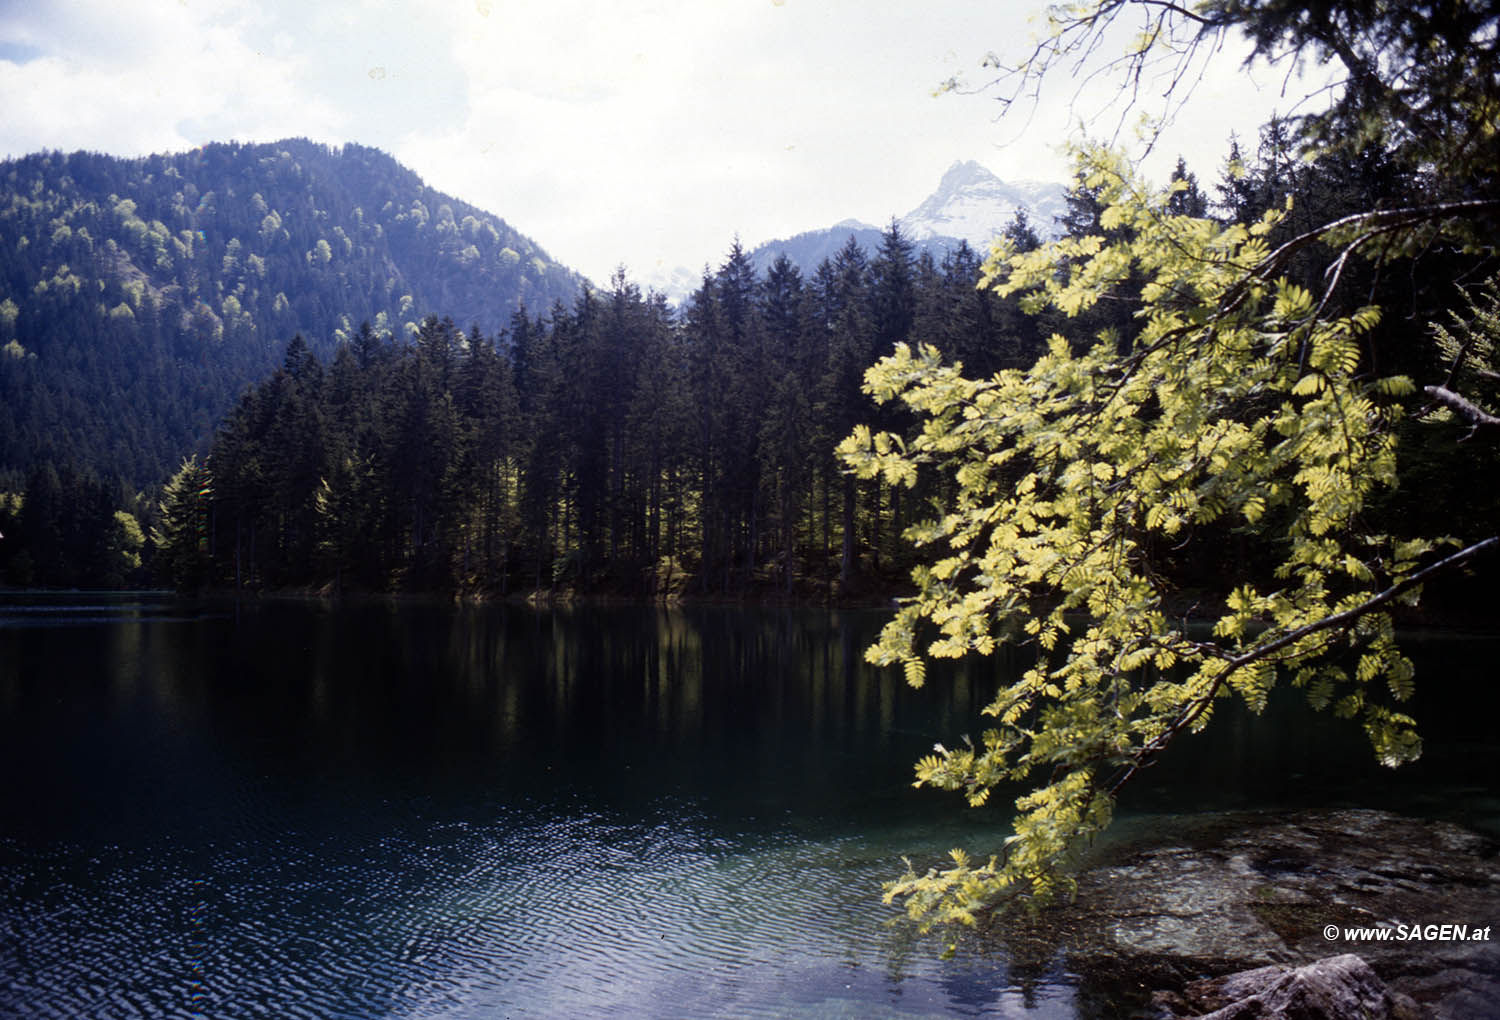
(969, 204)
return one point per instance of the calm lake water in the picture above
(296, 810)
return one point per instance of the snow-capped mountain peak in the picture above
(973, 204)
(970, 204)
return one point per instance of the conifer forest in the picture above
(586, 440)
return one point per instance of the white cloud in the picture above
(649, 133)
(698, 121)
(133, 80)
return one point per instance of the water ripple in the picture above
(216, 841)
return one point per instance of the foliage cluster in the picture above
(1244, 402)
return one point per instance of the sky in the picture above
(644, 134)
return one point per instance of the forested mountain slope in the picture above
(808, 250)
(138, 296)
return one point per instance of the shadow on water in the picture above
(297, 809)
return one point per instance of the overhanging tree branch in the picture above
(1338, 621)
(1477, 417)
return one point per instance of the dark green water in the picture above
(292, 810)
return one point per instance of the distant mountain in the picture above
(970, 204)
(675, 283)
(805, 250)
(139, 296)
(808, 249)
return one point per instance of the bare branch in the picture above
(1183, 11)
(1378, 219)
(1477, 417)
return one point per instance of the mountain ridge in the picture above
(138, 296)
(970, 205)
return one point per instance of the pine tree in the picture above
(1020, 233)
(1186, 199)
(844, 309)
(180, 536)
(785, 451)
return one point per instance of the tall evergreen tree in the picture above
(181, 532)
(1188, 199)
(844, 307)
(785, 450)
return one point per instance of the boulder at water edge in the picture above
(1336, 988)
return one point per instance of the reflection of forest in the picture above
(755, 705)
(692, 697)
(735, 770)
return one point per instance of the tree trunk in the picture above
(846, 565)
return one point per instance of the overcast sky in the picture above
(647, 134)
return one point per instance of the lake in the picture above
(294, 809)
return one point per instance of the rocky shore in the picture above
(1156, 923)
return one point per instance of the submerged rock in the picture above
(1219, 894)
